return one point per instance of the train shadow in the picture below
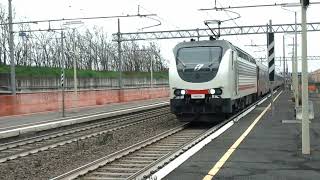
(209, 120)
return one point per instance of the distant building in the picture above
(315, 76)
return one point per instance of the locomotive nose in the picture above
(197, 76)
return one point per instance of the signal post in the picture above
(271, 55)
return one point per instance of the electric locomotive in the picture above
(213, 77)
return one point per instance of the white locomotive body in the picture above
(210, 77)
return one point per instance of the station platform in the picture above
(271, 150)
(33, 121)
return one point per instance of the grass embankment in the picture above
(26, 71)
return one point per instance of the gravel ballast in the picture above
(54, 162)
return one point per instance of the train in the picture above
(210, 77)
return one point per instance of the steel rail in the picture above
(124, 121)
(160, 163)
(114, 156)
(108, 121)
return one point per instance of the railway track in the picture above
(28, 146)
(124, 163)
(130, 162)
(141, 160)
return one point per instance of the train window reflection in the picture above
(209, 56)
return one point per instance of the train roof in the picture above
(262, 66)
(221, 43)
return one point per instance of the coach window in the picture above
(232, 58)
(247, 58)
(240, 54)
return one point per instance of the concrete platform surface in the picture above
(21, 121)
(272, 150)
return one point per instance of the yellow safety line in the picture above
(226, 156)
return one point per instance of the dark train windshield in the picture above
(199, 55)
(198, 64)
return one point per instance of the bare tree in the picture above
(4, 29)
(91, 49)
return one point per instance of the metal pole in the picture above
(198, 34)
(271, 82)
(26, 48)
(284, 62)
(23, 37)
(63, 75)
(75, 80)
(119, 55)
(292, 74)
(12, 65)
(305, 98)
(151, 72)
(296, 79)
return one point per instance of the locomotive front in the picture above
(200, 78)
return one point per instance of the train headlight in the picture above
(212, 91)
(215, 91)
(179, 92)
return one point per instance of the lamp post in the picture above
(294, 71)
(284, 63)
(23, 35)
(151, 73)
(151, 65)
(11, 50)
(295, 59)
(292, 62)
(304, 72)
(119, 56)
(75, 80)
(75, 53)
(62, 74)
(295, 67)
(304, 87)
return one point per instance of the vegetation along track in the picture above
(24, 147)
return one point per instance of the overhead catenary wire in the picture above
(233, 20)
(250, 6)
(78, 18)
(158, 22)
(219, 22)
(161, 18)
(74, 19)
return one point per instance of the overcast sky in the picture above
(176, 14)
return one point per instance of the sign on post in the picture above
(271, 66)
(305, 3)
(22, 34)
(62, 79)
(271, 56)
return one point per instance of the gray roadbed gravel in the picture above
(53, 162)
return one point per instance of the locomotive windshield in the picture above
(207, 56)
(198, 64)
